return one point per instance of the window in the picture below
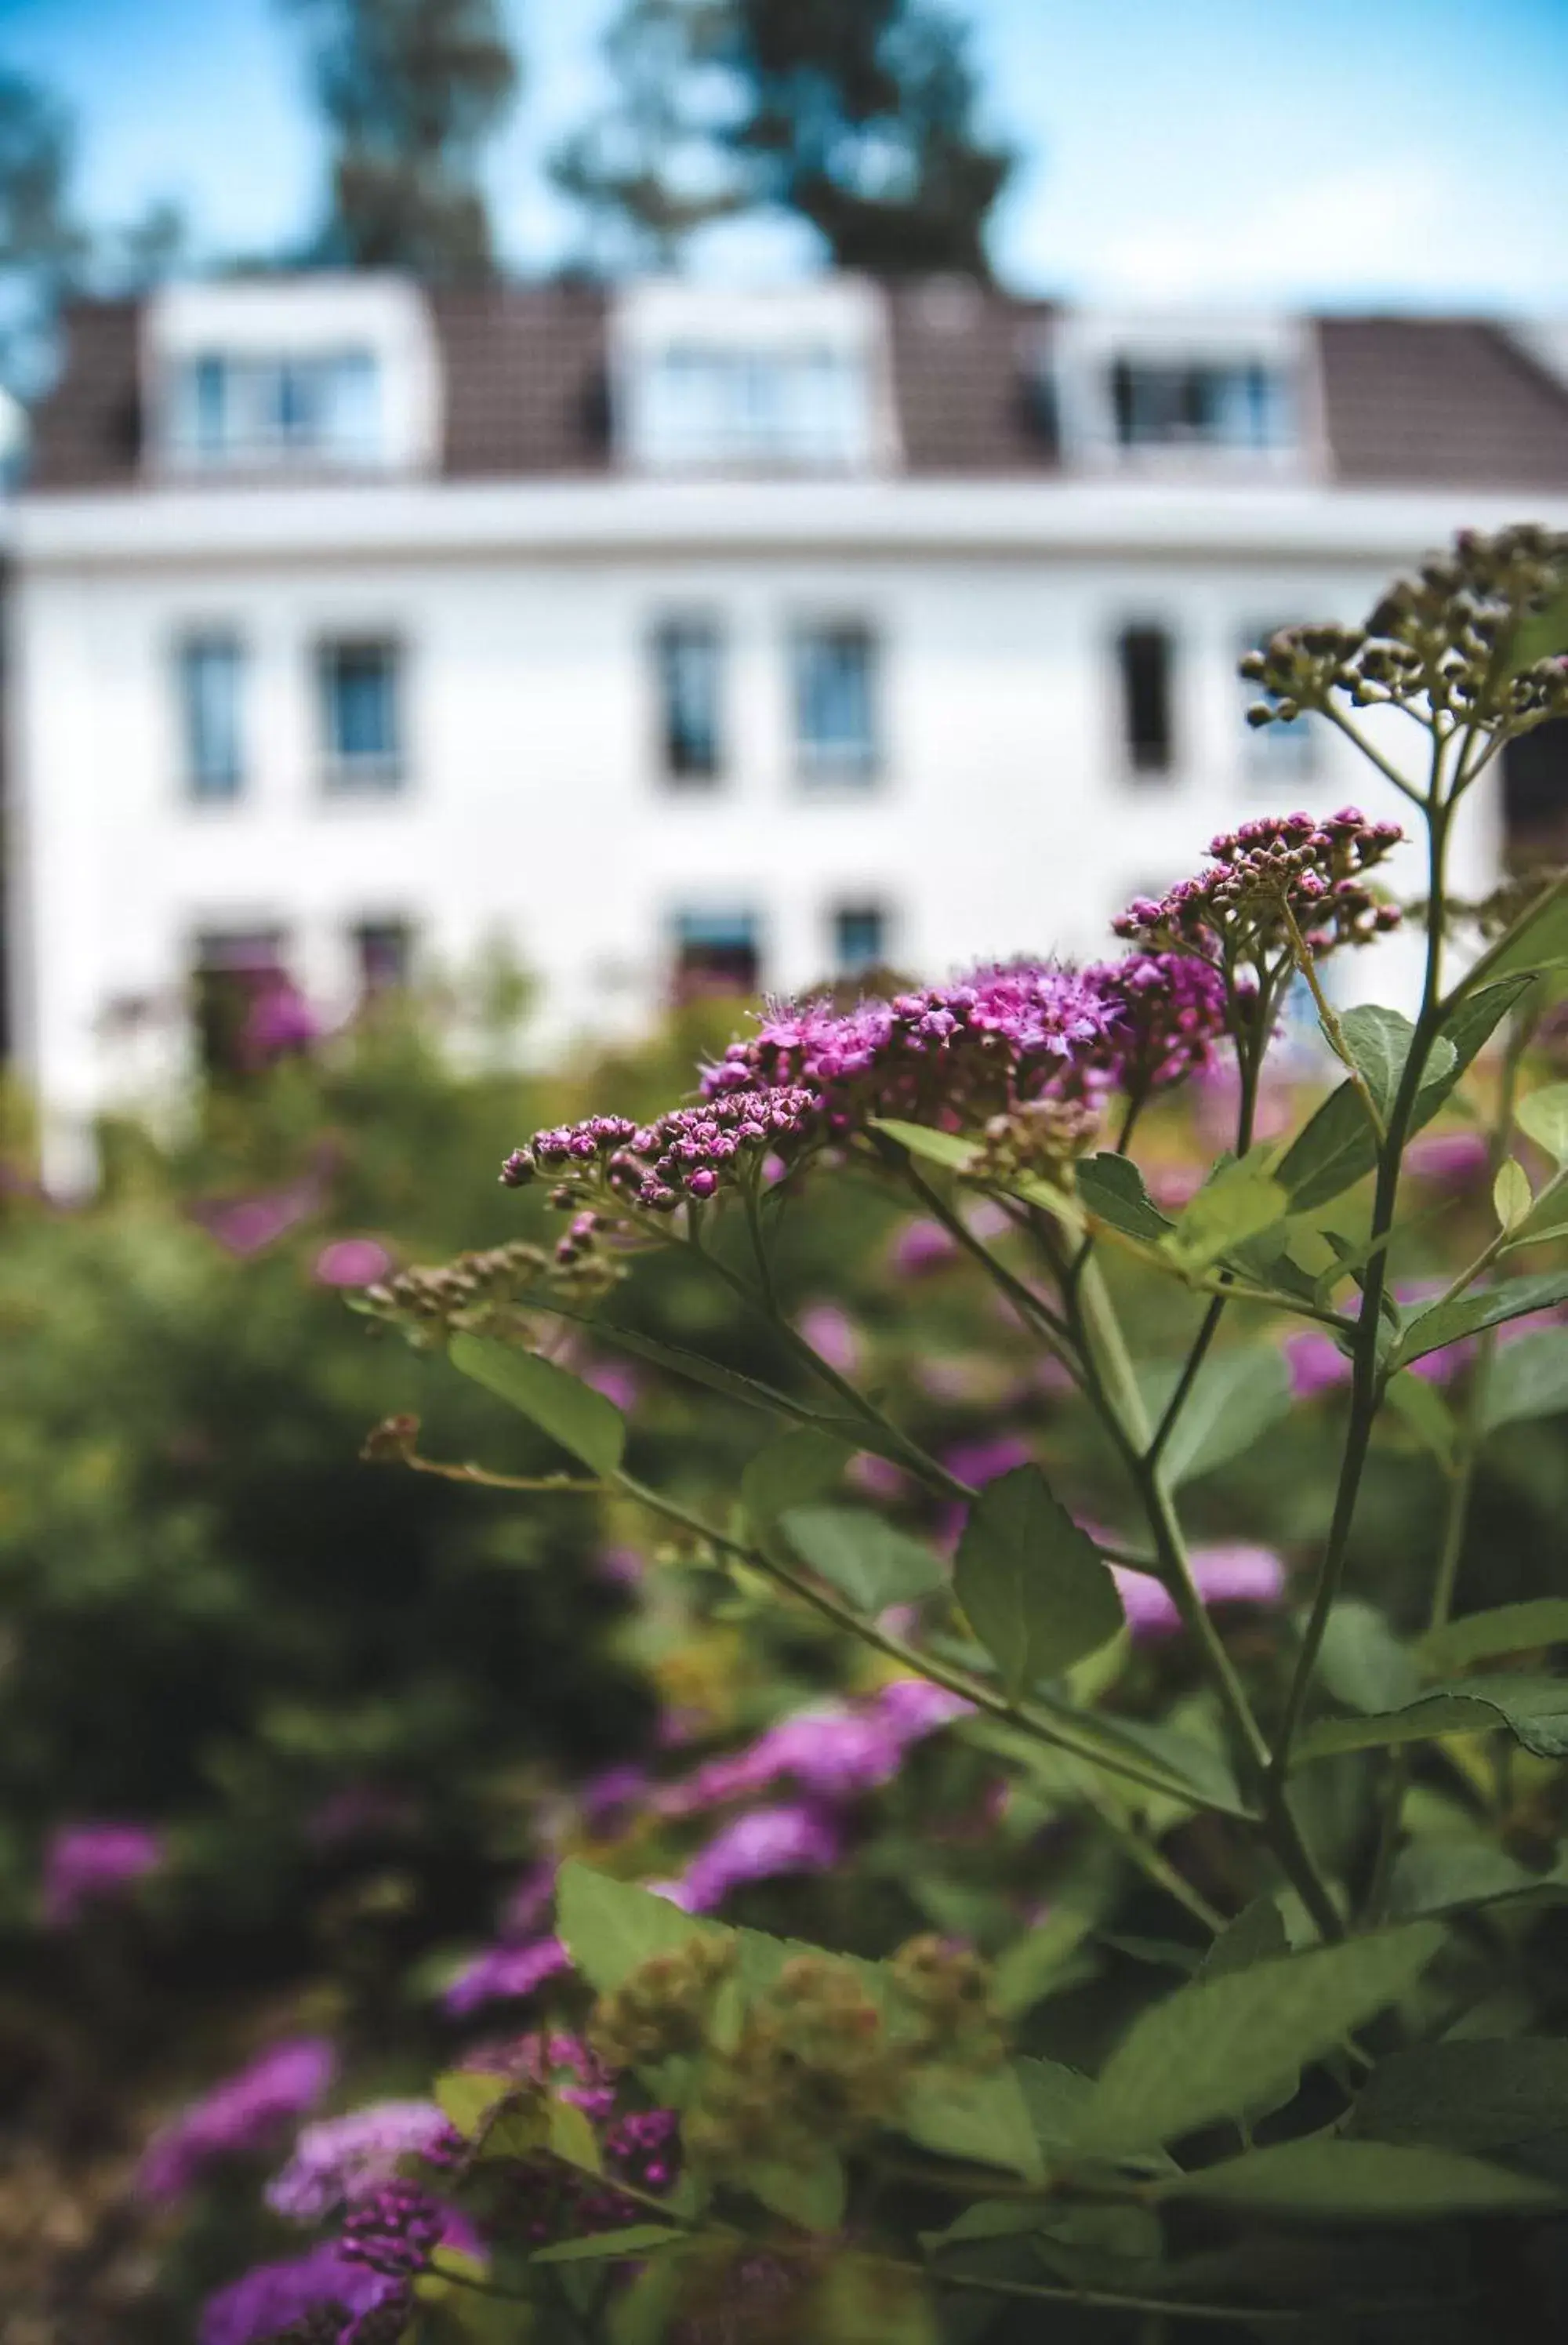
(803, 408)
(859, 939)
(1286, 750)
(235, 973)
(690, 662)
(235, 409)
(1144, 656)
(360, 714)
(1535, 789)
(835, 718)
(383, 954)
(1164, 403)
(211, 671)
(716, 952)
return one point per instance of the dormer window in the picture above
(239, 409)
(789, 381)
(1216, 397)
(1188, 403)
(706, 406)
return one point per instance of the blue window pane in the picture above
(210, 675)
(834, 719)
(859, 939)
(690, 662)
(716, 951)
(1285, 751)
(360, 685)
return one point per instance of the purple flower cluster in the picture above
(1236, 913)
(1170, 1013)
(395, 2231)
(1235, 1573)
(246, 2112)
(92, 1864)
(346, 2157)
(961, 1052)
(267, 2300)
(756, 1847)
(505, 1974)
(682, 1157)
(834, 1752)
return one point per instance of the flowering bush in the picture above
(1057, 1899)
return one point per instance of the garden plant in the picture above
(1098, 1880)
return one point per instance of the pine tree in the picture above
(413, 89)
(858, 116)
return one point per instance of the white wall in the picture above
(1004, 820)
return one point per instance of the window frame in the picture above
(1142, 771)
(666, 633)
(229, 408)
(821, 768)
(198, 787)
(347, 775)
(840, 914)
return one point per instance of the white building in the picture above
(354, 629)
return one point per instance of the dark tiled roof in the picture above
(1408, 401)
(967, 365)
(87, 433)
(1414, 401)
(526, 389)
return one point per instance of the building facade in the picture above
(676, 635)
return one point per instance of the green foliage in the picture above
(863, 1557)
(1033, 1587)
(1227, 2042)
(581, 1420)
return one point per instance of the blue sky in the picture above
(1413, 153)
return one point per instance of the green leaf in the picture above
(749, 1391)
(1224, 2044)
(812, 2195)
(1032, 1583)
(792, 1470)
(643, 2313)
(1467, 1315)
(1363, 1663)
(1255, 1935)
(1534, 1709)
(1428, 1415)
(1235, 1397)
(1529, 1377)
(863, 1557)
(1537, 938)
(978, 2114)
(1512, 1196)
(609, 1927)
(1506, 1628)
(1337, 1148)
(571, 2138)
(1543, 1114)
(1450, 1876)
(468, 2097)
(580, 1419)
(1471, 2096)
(1111, 1188)
(953, 1149)
(1379, 1042)
(1366, 2181)
(636, 2239)
(1055, 2096)
(1238, 1204)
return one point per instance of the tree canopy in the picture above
(412, 90)
(860, 117)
